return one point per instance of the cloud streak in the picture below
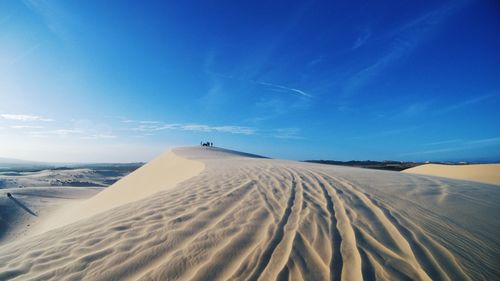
(460, 145)
(286, 89)
(158, 126)
(287, 133)
(66, 133)
(442, 142)
(362, 39)
(466, 103)
(289, 89)
(55, 18)
(23, 55)
(428, 108)
(23, 127)
(24, 117)
(406, 39)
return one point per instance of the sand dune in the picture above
(244, 218)
(161, 173)
(26, 211)
(485, 173)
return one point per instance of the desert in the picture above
(249, 140)
(236, 217)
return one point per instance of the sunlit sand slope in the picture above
(247, 218)
(485, 173)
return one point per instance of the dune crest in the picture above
(247, 218)
(485, 173)
(159, 174)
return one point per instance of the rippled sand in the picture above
(247, 218)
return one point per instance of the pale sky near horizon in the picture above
(122, 81)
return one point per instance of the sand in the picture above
(247, 218)
(12, 177)
(161, 173)
(25, 212)
(485, 173)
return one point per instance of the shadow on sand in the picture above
(20, 204)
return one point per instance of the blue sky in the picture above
(123, 81)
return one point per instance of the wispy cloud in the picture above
(414, 109)
(100, 136)
(64, 132)
(486, 141)
(287, 89)
(443, 142)
(24, 54)
(22, 127)
(158, 126)
(316, 61)
(55, 133)
(287, 133)
(282, 88)
(433, 108)
(406, 39)
(221, 129)
(386, 133)
(24, 117)
(55, 18)
(362, 39)
(466, 103)
(128, 121)
(71, 133)
(151, 128)
(457, 145)
(433, 151)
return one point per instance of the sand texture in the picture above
(485, 173)
(247, 218)
(161, 173)
(28, 209)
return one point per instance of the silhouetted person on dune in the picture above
(207, 143)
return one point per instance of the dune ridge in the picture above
(245, 218)
(159, 174)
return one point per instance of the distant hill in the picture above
(4, 160)
(25, 165)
